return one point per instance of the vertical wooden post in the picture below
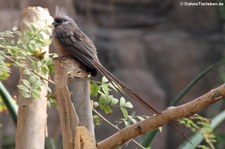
(32, 116)
(73, 97)
(80, 95)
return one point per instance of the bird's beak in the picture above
(55, 24)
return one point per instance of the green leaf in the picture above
(36, 94)
(128, 105)
(125, 104)
(133, 120)
(13, 42)
(27, 72)
(97, 120)
(104, 102)
(140, 118)
(26, 95)
(33, 28)
(37, 84)
(107, 110)
(44, 70)
(199, 124)
(48, 61)
(2, 105)
(32, 79)
(124, 111)
(39, 64)
(23, 88)
(26, 83)
(122, 101)
(18, 33)
(102, 99)
(105, 89)
(94, 89)
(114, 101)
(51, 68)
(4, 75)
(109, 99)
(47, 42)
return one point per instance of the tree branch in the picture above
(171, 114)
(114, 126)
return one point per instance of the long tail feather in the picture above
(123, 88)
(127, 91)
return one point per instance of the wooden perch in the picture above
(171, 114)
(32, 116)
(72, 94)
(84, 139)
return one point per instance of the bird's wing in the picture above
(79, 47)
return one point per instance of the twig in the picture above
(114, 126)
(40, 76)
(31, 70)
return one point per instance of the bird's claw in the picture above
(61, 58)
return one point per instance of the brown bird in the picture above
(72, 42)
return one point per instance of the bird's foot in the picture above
(61, 58)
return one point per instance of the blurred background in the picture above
(155, 46)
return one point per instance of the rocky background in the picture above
(155, 46)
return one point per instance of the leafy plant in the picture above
(27, 51)
(197, 123)
(197, 138)
(150, 136)
(106, 100)
(131, 119)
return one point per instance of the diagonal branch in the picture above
(171, 114)
(108, 122)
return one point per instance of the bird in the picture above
(72, 42)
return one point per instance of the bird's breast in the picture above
(62, 50)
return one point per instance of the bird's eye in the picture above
(60, 20)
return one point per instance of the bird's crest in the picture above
(60, 12)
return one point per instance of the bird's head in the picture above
(58, 21)
(61, 18)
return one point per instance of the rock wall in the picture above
(155, 46)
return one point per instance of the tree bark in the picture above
(73, 97)
(171, 114)
(80, 96)
(32, 116)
